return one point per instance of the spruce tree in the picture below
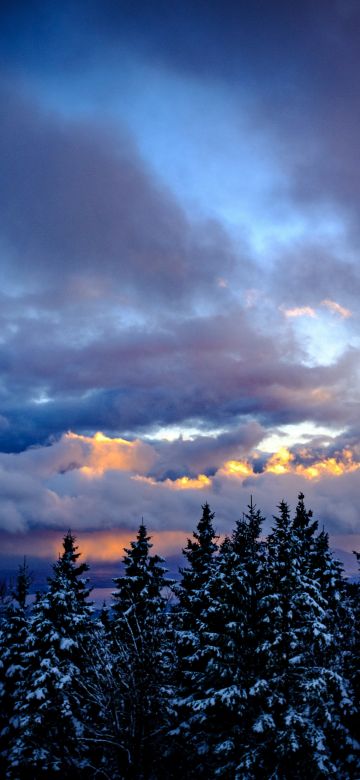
(51, 715)
(304, 529)
(142, 656)
(192, 591)
(194, 601)
(352, 656)
(13, 663)
(304, 701)
(199, 553)
(224, 677)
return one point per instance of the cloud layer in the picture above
(89, 483)
(179, 212)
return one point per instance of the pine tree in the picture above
(199, 553)
(329, 574)
(304, 701)
(352, 654)
(142, 656)
(50, 715)
(304, 529)
(14, 634)
(224, 678)
(194, 601)
(192, 591)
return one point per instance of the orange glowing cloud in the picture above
(283, 462)
(334, 467)
(100, 545)
(236, 468)
(336, 308)
(299, 311)
(101, 453)
(183, 483)
(109, 545)
(280, 462)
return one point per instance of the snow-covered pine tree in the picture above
(199, 553)
(49, 744)
(352, 656)
(142, 657)
(13, 637)
(194, 600)
(4, 597)
(304, 528)
(225, 675)
(329, 574)
(318, 563)
(244, 631)
(302, 699)
(342, 657)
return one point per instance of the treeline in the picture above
(250, 673)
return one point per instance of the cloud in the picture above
(201, 482)
(299, 311)
(336, 308)
(91, 455)
(204, 454)
(210, 371)
(309, 311)
(311, 270)
(224, 35)
(101, 453)
(90, 483)
(123, 310)
(82, 215)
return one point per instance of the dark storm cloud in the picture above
(202, 38)
(211, 371)
(88, 234)
(277, 48)
(80, 211)
(309, 272)
(204, 454)
(314, 127)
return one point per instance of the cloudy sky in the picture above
(179, 267)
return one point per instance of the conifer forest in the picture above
(246, 668)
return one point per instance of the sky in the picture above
(179, 268)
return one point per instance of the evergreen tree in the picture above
(50, 715)
(225, 679)
(194, 597)
(139, 593)
(352, 649)
(13, 637)
(264, 682)
(319, 564)
(192, 591)
(4, 597)
(142, 656)
(329, 574)
(199, 553)
(304, 529)
(304, 701)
